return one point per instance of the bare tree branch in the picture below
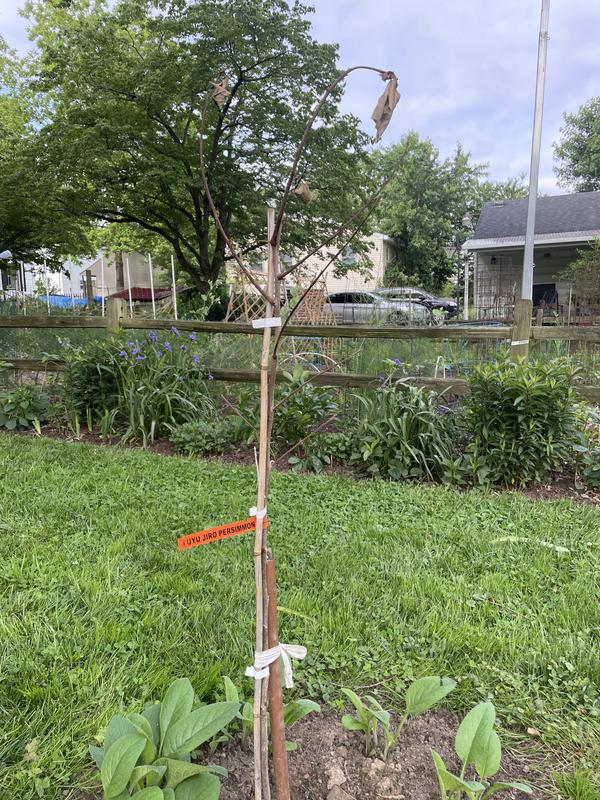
(302, 143)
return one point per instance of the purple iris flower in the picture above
(175, 331)
(168, 346)
(140, 358)
(193, 337)
(130, 344)
(135, 351)
(182, 347)
(152, 337)
(398, 362)
(196, 359)
(122, 354)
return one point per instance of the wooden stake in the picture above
(280, 760)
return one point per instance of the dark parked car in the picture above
(408, 293)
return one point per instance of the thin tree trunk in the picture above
(119, 271)
(261, 742)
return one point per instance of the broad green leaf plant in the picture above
(421, 695)
(478, 746)
(148, 756)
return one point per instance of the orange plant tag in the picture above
(219, 532)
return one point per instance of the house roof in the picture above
(559, 218)
(141, 295)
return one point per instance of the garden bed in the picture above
(330, 764)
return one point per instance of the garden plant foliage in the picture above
(142, 387)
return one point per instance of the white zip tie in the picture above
(521, 341)
(269, 322)
(260, 668)
(258, 514)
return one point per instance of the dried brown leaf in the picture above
(386, 104)
(219, 91)
(303, 191)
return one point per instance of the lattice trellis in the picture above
(246, 304)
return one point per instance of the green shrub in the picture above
(321, 450)
(587, 450)
(142, 387)
(403, 433)
(204, 436)
(300, 406)
(523, 421)
(24, 407)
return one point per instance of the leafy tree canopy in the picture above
(578, 151)
(31, 217)
(429, 207)
(127, 82)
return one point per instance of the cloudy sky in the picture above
(466, 68)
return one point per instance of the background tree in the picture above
(121, 136)
(425, 208)
(31, 217)
(579, 149)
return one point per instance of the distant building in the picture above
(71, 280)
(564, 224)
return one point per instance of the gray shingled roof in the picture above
(555, 214)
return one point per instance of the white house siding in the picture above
(381, 253)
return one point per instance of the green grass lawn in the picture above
(99, 610)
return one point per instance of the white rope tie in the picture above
(258, 514)
(260, 668)
(521, 341)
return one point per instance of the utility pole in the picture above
(524, 306)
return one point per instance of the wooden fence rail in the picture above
(456, 332)
(116, 320)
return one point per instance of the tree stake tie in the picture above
(258, 514)
(260, 668)
(521, 341)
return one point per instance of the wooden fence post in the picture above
(521, 332)
(115, 313)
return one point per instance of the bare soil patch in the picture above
(330, 763)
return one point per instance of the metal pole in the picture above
(523, 309)
(23, 287)
(47, 285)
(534, 170)
(129, 286)
(151, 286)
(103, 286)
(174, 286)
(466, 290)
